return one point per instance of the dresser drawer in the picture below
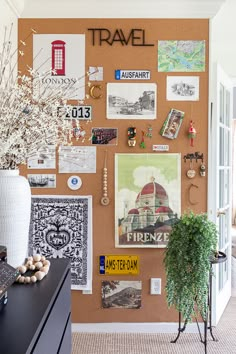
(66, 343)
(51, 335)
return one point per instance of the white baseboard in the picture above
(121, 327)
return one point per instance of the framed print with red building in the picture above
(147, 198)
(62, 56)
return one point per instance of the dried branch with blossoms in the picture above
(29, 115)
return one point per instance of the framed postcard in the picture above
(172, 124)
(182, 88)
(131, 101)
(147, 198)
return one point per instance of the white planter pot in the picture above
(15, 207)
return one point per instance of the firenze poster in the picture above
(147, 198)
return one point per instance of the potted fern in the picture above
(193, 241)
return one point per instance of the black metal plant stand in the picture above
(221, 257)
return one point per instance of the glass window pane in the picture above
(226, 146)
(220, 276)
(227, 186)
(221, 103)
(221, 232)
(221, 188)
(227, 109)
(221, 146)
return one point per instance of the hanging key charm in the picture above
(191, 173)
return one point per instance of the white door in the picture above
(219, 182)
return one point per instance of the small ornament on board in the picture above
(142, 144)
(191, 173)
(191, 133)
(105, 200)
(202, 170)
(131, 136)
(74, 182)
(149, 132)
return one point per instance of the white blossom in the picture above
(29, 115)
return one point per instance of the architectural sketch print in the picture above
(42, 180)
(61, 228)
(177, 56)
(182, 88)
(131, 101)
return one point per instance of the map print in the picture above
(77, 159)
(181, 56)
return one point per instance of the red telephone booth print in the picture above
(58, 57)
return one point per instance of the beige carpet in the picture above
(130, 343)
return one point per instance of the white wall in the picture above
(8, 14)
(121, 8)
(223, 37)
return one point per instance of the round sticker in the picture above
(74, 182)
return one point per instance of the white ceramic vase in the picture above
(15, 207)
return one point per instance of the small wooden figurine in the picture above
(131, 136)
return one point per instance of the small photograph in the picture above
(96, 73)
(42, 180)
(182, 88)
(131, 101)
(121, 294)
(45, 158)
(172, 124)
(107, 136)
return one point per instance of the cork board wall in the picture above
(133, 56)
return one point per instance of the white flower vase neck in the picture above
(15, 207)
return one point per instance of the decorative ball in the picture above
(46, 263)
(27, 280)
(38, 265)
(33, 279)
(40, 275)
(45, 269)
(22, 269)
(37, 257)
(21, 280)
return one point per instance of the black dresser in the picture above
(37, 317)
